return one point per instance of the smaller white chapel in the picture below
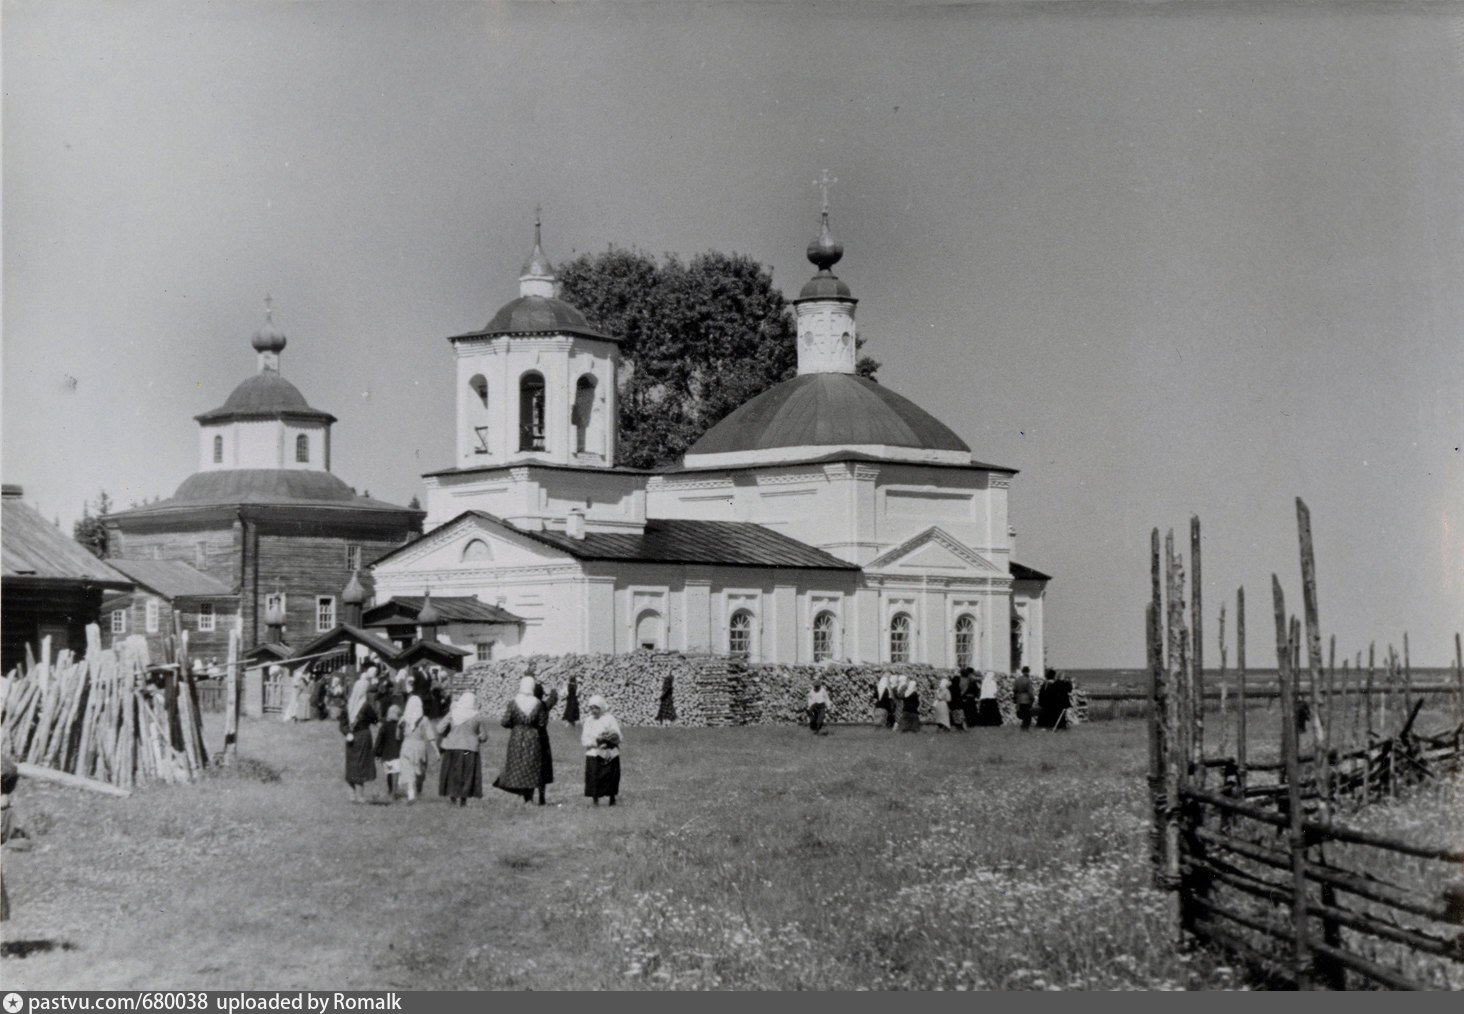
(828, 518)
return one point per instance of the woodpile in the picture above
(715, 690)
(103, 718)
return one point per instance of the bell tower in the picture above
(825, 307)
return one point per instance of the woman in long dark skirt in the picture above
(520, 774)
(910, 707)
(969, 697)
(988, 711)
(355, 723)
(546, 755)
(461, 777)
(884, 700)
(818, 708)
(571, 702)
(600, 736)
(389, 748)
(666, 712)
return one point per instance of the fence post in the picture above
(1158, 802)
(1197, 640)
(1296, 840)
(231, 701)
(1240, 674)
(1224, 697)
(1321, 739)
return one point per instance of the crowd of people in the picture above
(968, 701)
(401, 720)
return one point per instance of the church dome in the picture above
(266, 395)
(536, 315)
(828, 410)
(262, 485)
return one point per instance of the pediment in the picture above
(934, 551)
(471, 541)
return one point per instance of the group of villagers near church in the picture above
(968, 701)
(407, 735)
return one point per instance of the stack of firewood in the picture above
(107, 718)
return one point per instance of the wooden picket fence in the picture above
(1257, 848)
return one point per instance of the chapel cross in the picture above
(823, 183)
(268, 306)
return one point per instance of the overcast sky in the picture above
(1165, 259)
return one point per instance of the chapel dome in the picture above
(536, 314)
(828, 410)
(266, 394)
(262, 485)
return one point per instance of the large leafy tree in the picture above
(89, 530)
(698, 339)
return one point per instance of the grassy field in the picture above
(738, 858)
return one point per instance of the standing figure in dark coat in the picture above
(1046, 716)
(461, 775)
(910, 706)
(546, 755)
(988, 710)
(571, 714)
(389, 748)
(356, 722)
(1022, 697)
(884, 700)
(818, 707)
(520, 774)
(969, 697)
(667, 711)
(1062, 700)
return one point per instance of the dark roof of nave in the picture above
(668, 540)
(173, 579)
(1022, 573)
(836, 456)
(537, 315)
(827, 409)
(241, 486)
(265, 395)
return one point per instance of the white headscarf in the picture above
(988, 686)
(413, 713)
(911, 687)
(464, 707)
(525, 698)
(883, 686)
(357, 699)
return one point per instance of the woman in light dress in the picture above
(600, 736)
(419, 737)
(941, 705)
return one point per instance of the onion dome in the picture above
(828, 410)
(428, 616)
(269, 338)
(354, 594)
(824, 252)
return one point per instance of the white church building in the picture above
(828, 518)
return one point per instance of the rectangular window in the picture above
(324, 613)
(484, 651)
(119, 621)
(353, 557)
(206, 616)
(151, 613)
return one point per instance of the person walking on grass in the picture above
(355, 724)
(461, 775)
(1022, 697)
(941, 705)
(818, 708)
(418, 737)
(600, 736)
(988, 711)
(546, 755)
(389, 748)
(520, 775)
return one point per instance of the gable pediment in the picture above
(934, 551)
(471, 541)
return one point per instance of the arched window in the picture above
(218, 450)
(965, 640)
(477, 413)
(579, 415)
(302, 448)
(740, 635)
(648, 630)
(480, 388)
(531, 412)
(900, 638)
(476, 549)
(825, 633)
(1017, 641)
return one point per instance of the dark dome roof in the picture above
(539, 314)
(264, 394)
(824, 286)
(828, 409)
(261, 485)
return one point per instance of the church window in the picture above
(900, 638)
(825, 630)
(353, 556)
(965, 640)
(218, 450)
(205, 616)
(324, 613)
(483, 651)
(480, 388)
(648, 630)
(150, 615)
(531, 412)
(119, 621)
(477, 549)
(739, 634)
(302, 448)
(579, 416)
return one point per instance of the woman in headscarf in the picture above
(666, 711)
(520, 774)
(818, 707)
(277, 675)
(941, 705)
(418, 738)
(546, 755)
(988, 712)
(461, 775)
(571, 714)
(600, 736)
(355, 723)
(884, 700)
(910, 706)
(389, 748)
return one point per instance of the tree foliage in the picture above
(698, 339)
(89, 530)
